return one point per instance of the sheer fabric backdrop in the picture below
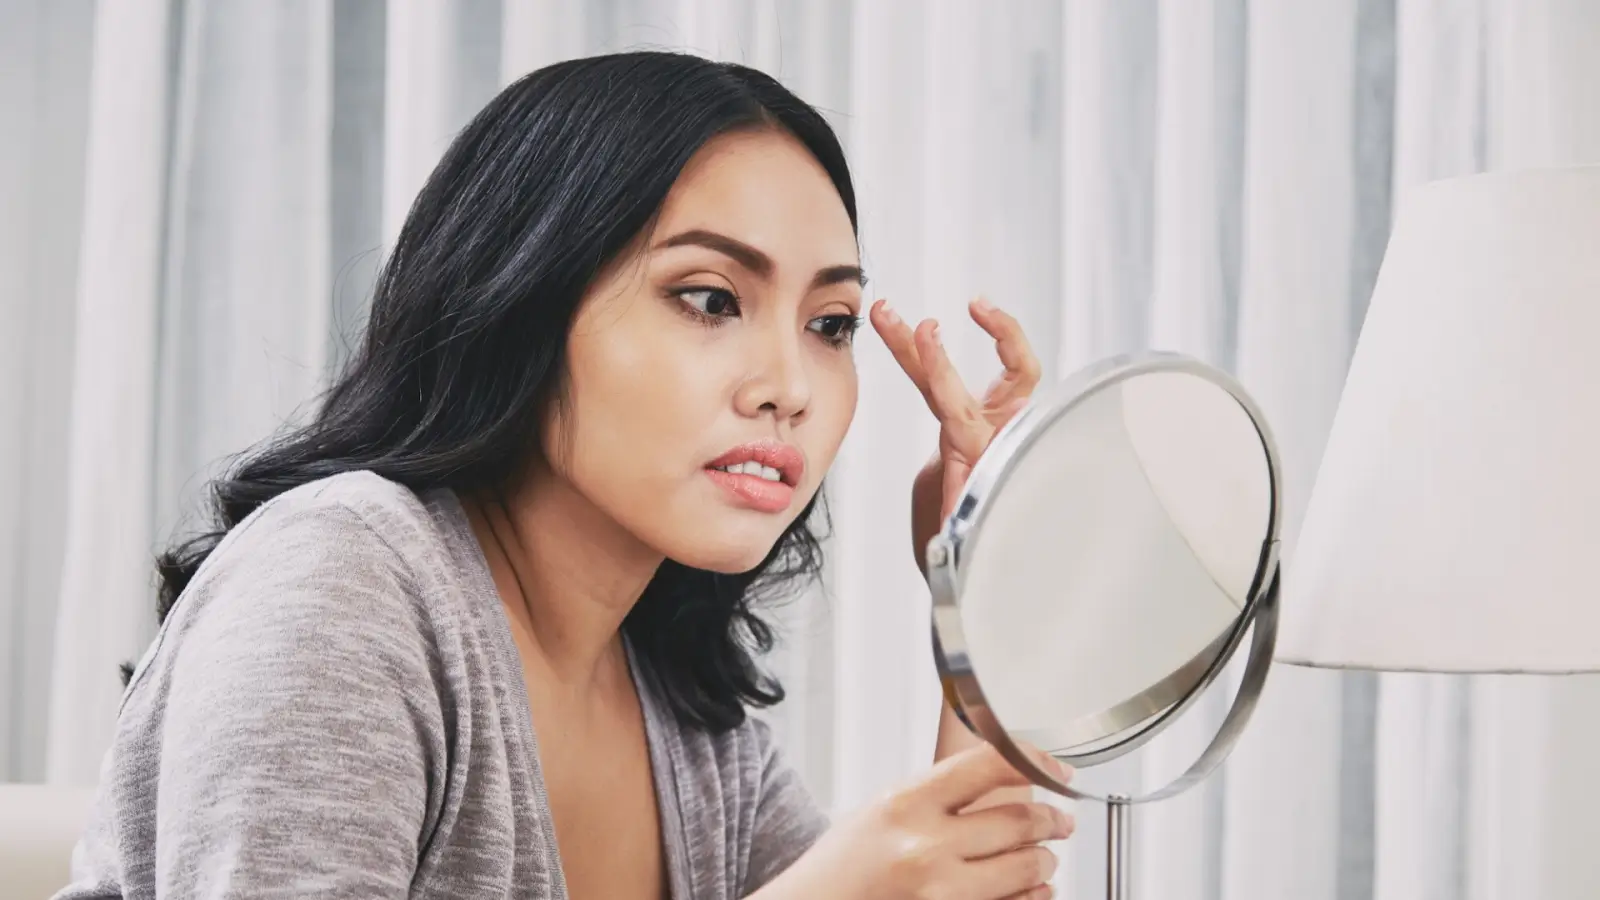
(196, 195)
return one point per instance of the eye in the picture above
(709, 302)
(837, 329)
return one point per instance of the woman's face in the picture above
(710, 376)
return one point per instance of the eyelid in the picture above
(849, 327)
(703, 272)
(679, 298)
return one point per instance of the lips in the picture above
(774, 455)
(761, 475)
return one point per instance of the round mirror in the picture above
(1106, 559)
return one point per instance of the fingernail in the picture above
(889, 314)
(982, 304)
(934, 333)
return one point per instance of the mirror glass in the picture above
(1112, 558)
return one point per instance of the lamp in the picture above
(1456, 516)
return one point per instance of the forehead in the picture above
(763, 188)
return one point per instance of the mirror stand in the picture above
(1262, 614)
(1119, 838)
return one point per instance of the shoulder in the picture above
(348, 526)
(355, 512)
(294, 697)
(326, 570)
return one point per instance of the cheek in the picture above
(638, 398)
(833, 409)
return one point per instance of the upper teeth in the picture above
(753, 468)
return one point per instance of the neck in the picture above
(567, 574)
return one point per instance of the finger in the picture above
(960, 415)
(1008, 874)
(1020, 792)
(962, 778)
(1011, 343)
(1042, 892)
(997, 829)
(1046, 762)
(1022, 369)
(897, 336)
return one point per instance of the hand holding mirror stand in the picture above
(1203, 497)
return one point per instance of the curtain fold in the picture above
(193, 220)
(104, 611)
(1108, 151)
(44, 102)
(1197, 203)
(880, 620)
(1294, 341)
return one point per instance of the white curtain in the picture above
(45, 57)
(196, 194)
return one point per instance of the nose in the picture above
(778, 384)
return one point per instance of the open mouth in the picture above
(765, 473)
(761, 475)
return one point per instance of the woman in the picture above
(606, 369)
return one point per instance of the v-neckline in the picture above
(661, 737)
(666, 767)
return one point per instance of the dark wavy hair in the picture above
(466, 341)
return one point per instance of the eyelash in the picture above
(845, 326)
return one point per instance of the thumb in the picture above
(959, 780)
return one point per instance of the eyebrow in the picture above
(758, 262)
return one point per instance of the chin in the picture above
(725, 560)
(731, 547)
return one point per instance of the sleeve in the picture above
(788, 820)
(300, 720)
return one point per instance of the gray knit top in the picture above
(335, 708)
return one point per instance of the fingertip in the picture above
(1052, 765)
(1000, 324)
(936, 342)
(1063, 771)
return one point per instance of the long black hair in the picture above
(465, 344)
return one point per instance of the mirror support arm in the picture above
(1119, 848)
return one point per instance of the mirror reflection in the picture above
(1147, 502)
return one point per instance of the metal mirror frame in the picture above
(1135, 721)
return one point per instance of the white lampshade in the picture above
(1455, 522)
